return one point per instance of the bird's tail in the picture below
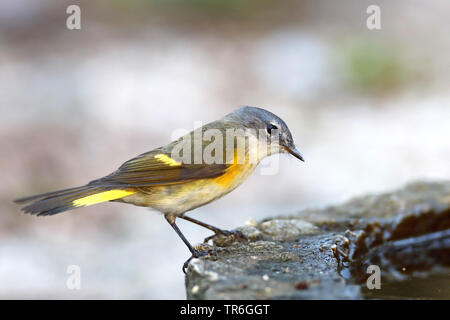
(46, 204)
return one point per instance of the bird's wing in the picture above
(157, 167)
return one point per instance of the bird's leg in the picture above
(195, 253)
(212, 228)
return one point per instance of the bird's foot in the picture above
(226, 233)
(197, 254)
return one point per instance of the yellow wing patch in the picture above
(101, 197)
(167, 160)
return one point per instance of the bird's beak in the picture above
(295, 153)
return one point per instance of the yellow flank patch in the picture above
(230, 174)
(101, 197)
(167, 160)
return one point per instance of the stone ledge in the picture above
(322, 254)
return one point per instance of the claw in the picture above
(196, 254)
(225, 233)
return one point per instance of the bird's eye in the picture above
(271, 127)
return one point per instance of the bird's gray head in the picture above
(272, 127)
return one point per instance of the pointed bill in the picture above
(295, 153)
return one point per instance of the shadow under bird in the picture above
(173, 185)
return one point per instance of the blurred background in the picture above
(369, 110)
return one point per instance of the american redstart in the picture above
(192, 171)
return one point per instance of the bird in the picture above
(187, 173)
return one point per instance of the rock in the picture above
(250, 232)
(288, 228)
(324, 253)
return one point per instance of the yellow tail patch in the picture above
(102, 197)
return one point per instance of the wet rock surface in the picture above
(324, 253)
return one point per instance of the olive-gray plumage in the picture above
(172, 184)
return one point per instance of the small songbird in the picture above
(185, 174)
